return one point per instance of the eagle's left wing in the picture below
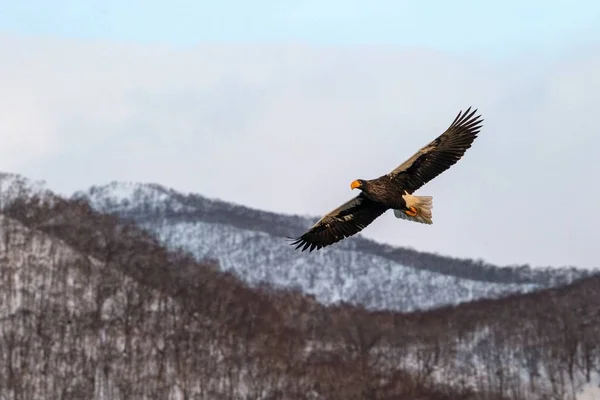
(440, 154)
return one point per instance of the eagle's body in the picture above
(394, 190)
(379, 190)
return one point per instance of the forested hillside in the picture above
(96, 308)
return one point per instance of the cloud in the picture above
(286, 128)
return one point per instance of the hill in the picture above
(94, 307)
(250, 243)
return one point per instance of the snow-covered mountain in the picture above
(92, 307)
(252, 244)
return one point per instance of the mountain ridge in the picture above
(251, 244)
(188, 219)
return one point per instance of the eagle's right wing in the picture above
(346, 220)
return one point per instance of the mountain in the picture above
(251, 243)
(94, 307)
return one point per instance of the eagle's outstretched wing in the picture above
(440, 154)
(346, 220)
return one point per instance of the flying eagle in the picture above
(394, 190)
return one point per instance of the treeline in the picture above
(153, 202)
(123, 318)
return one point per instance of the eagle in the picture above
(395, 189)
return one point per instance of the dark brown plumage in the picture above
(394, 190)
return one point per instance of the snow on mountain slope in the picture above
(333, 276)
(26, 260)
(590, 391)
(55, 301)
(214, 229)
(74, 327)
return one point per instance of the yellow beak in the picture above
(354, 184)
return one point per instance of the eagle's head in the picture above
(358, 184)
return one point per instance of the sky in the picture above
(280, 105)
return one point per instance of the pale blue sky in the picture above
(487, 27)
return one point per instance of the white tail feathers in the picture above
(420, 206)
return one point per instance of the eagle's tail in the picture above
(419, 209)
